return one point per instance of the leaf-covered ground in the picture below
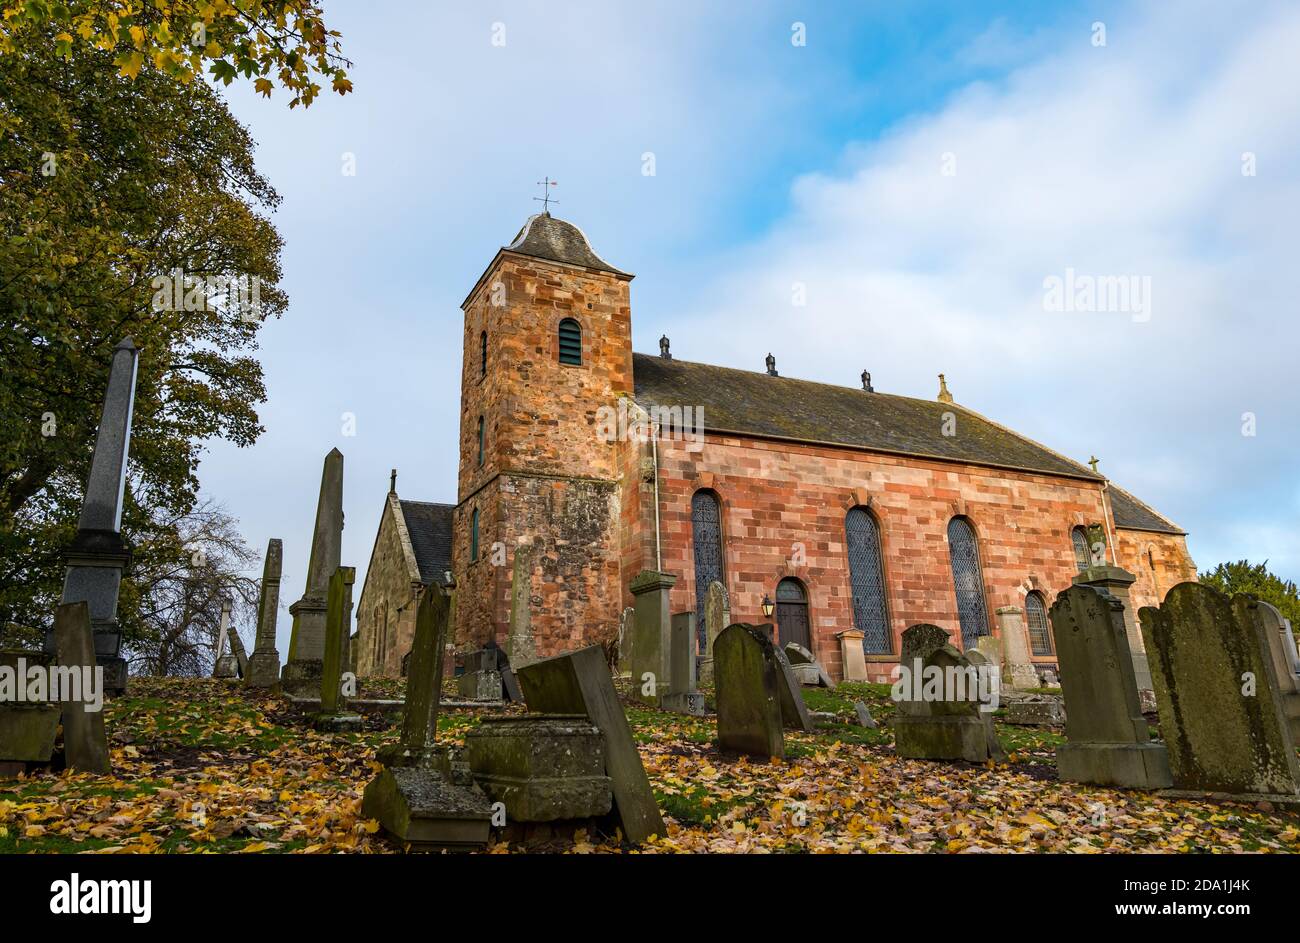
(203, 766)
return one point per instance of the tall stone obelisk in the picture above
(97, 556)
(302, 672)
(264, 665)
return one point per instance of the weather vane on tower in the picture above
(545, 198)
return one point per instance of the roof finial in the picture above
(545, 199)
(1093, 462)
(392, 482)
(663, 348)
(771, 366)
(866, 382)
(944, 395)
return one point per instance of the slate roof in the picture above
(545, 237)
(1132, 514)
(430, 528)
(757, 404)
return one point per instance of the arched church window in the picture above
(968, 581)
(570, 342)
(480, 441)
(706, 535)
(473, 535)
(482, 342)
(867, 578)
(1082, 554)
(1040, 633)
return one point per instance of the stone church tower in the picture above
(547, 343)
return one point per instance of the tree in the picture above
(270, 41)
(181, 584)
(1254, 578)
(127, 207)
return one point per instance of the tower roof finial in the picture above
(944, 395)
(545, 199)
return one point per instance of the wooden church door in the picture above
(792, 614)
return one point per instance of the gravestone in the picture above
(416, 797)
(481, 680)
(1219, 697)
(626, 639)
(683, 696)
(225, 665)
(334, 714)
(264, 666)
(302, 671)
(939, 700)
(852, 656)
(717, 616)
(1108, 741)
(85, 743)
(864, 715)
(789, 691)
(747, 693)
(652, 635)
(807, 669)
(27, 726)
(1282, 649)
(97, 556)
(1017, 667)
(521, 647)
(1117, 581)
(580, 683)
(541, 767)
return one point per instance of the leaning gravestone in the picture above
(580, 683)
(416, 797)
(334, 714)
(748, 696)
(1282, 649)
(85, 743)
(1219, 697)
(97, 556)
(264, 666)
(789, 690)
(807, 668)
(717, 616)
(302, 671)
(939, 702)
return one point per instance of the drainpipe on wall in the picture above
(654, 448)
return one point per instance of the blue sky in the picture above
(818, 164)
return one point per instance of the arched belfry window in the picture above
(968, 581)
(867, 577)
(482, 343)
(1082, 555)
(571, 342)
(1040, 634)
(706, 534)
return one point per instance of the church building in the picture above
(842, 507)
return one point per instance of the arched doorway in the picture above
(792, 614)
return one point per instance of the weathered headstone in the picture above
(334, 714)
(416, 797)
(626, 640)
(652, 635)
(541, 767)
(264, 666)
(717, 616)
(747, 692)
(1282, 649)
(1221, 713)
(939, 701)
(85, 742)
(225, 665)
(580, 683)
(852, 655)
(789, 691)
(682, 696)
(1036, 710)
(807, 669)
(28, 725)
(481, 680)
(302, 671)
(1117, 581)
(97, 556)
(521, 647)
(1017, 667)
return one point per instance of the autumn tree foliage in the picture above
(109, 187)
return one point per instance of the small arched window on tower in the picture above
(482, 343)
(480, 441)
(473, 535)
(1082, 555)
(571, 342)
(1040, 634)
